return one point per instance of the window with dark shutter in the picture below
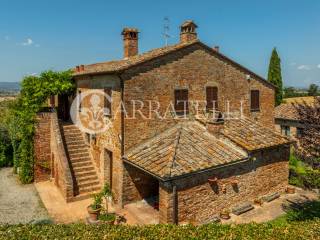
(255, 100)
(181, 101)
(212, 98)
(107, 101)
(80, 100)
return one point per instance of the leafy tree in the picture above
(310, 138)
(275, 77)
(313, 90)
(21, 118)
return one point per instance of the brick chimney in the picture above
(188, 31)
(130, 42)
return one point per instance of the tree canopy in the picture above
(275, 76)
(35, 90)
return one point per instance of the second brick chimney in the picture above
(188, 31)
(130, 42)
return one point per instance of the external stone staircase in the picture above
(85, 178)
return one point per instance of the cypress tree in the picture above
(275, 77)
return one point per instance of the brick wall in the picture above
(138, 185)
(198, 200)
(193, 68)
(42, 168)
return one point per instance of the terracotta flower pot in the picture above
(93, 213)
(225, 215)
(290, 190)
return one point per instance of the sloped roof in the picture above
(123, 64)
(287, 111)
(185, 148)
(252, 136)
(114, 66)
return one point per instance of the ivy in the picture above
(35, 90)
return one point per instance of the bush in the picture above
(295, 230)
(302, 175)
(21, 117)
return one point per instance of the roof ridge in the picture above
(176, 144)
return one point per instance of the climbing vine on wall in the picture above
(35, 90)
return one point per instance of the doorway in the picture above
(108, 165)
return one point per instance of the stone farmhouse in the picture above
(193, 167)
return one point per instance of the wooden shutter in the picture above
(181, 100)
(107, 101)
(255, 100)
(212, 97)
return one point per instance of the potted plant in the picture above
(107, 217)
(95, 208)
(258, 201)
(290, 190)
(225, 214)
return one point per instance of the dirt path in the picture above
(19, 203)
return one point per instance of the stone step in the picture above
(81, 164)
(87, 178)
(83, 169)
(84, 184)
(76, 144)
(81, 150)
(75, 155)
(89, 189)
(83, 196)
(79, 159)
(85, 174)
(72, 138)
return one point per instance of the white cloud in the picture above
(28, 42)
(304, 67)
(318, 66)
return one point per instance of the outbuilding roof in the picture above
(251, 135)
(185, 148)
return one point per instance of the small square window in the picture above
(285, 130)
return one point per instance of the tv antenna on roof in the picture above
(166, 28)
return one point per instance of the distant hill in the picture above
(9, 86)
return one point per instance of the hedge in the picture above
(295, 230)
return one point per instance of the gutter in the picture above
(122, 114)
(186, 174)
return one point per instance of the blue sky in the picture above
(36, 35)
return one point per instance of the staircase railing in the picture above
(62, 172)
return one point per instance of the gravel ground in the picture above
(19, 203)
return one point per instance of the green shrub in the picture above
(21, 117)
(294, 230)
(302, 175)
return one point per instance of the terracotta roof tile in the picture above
(185, 148)
(252, 136)
(288, 110)
(114, 66)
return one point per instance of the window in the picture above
(80, 105)
(285, 130)
(212, 98)
(255, 100)
(181, 101)
(299, 132)
(87, 138)
(107, 101)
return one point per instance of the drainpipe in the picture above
(122, 114)
(175, 204)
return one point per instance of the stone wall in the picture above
(198, 200)
(42, 150)
(60, 166)
(193, 68)
(109, 140)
